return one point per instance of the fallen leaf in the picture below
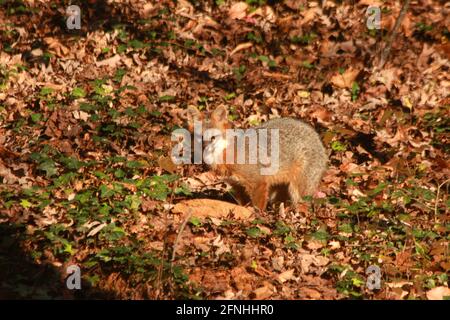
(96, 230)
(203, 208)
(438, 293)
(111, 62)
(240, 47)
(238, 10)
(286, 276)
(346, 79)
(264, 292)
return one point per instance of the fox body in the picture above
(291, 157)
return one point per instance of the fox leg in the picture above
(239, 194)
(294, 193)
(260, 195)
(297, 189)
(297, 186)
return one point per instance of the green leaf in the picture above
(195, 221)
(281, 229)
(25, 203)
(105, 210)
(357, 282)
(347, 228)
(136, 44)
(256, 38)
(264, 58)
(133, 201)
(338, 146)
(36, 117)
(183, 190)
(119, 173)
(46, 91)
(307, 65)
(49, 167)
(320, 235)
(106, 192)
(78, 92)
(380, 187)
(230, 96)
(68, 248)
(166, 98)
(121, 48)
(136, 164)
(189, 43)
(272, 63)
(355, 91)
(254, 232)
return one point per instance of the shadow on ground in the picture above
(22, 278)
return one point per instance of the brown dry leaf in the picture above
(240, 47)
(397, 294)
(376, 3)
(184, 7)
(286, 276)
(265, 230)
(346, 79)
(438, 293)
(309, 15)
(308, 260)
(216, 281)
(58, 48)
(167, 164)
(96, 230)
(7, 175)
(242, 279)
(347, 46)
(111, 62)
(398, 284)
(334, 244)
(311, 293)
(314, 244)
(264, 292)
(203, 208)
(148, 9)
(156, 245)
(198, 182)
(80, 115)
(238, 10)
(202, 243)
(407, 25)
(323, 115)
(387, 77)
(266, 12)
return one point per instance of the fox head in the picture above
(217, 119)
(216, 143)
(209, 132)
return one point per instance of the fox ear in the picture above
(192, 115)
(220, 114)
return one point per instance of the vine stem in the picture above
(387, 49)
(437, 199)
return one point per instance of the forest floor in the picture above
(86, 118)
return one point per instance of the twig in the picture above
(175, 245)
(437, 199)
(398, 23)
(159, 287)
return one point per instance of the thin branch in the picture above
(159, 287)
(175, 245)
(437, 199)
(398, 23)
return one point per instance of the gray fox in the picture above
(302, 158)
